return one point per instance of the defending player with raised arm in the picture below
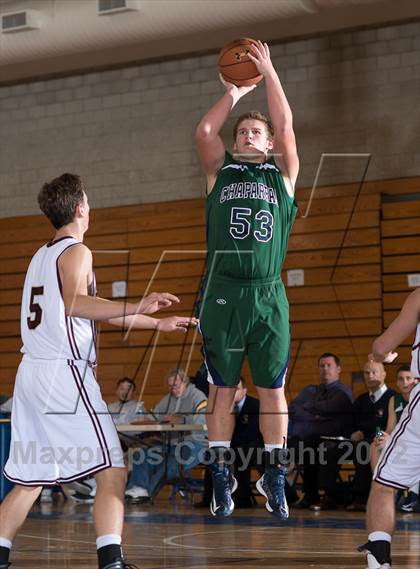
(57, 405)
(250, 211)
(399, 465)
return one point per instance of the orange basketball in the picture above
(235, 65)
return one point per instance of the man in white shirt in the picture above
(126, 408)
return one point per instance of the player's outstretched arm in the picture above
(170, 324)
(284, 143)
(210, 147)
(75, 268)
(403, 325)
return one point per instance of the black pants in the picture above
(363, 474)
(320, 462)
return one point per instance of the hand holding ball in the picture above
(235, 66)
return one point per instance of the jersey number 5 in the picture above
(34, 308)
(240, 224)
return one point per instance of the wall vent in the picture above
(20, 21)
(106, 7)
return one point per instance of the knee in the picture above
(112, 478)
(379, 491)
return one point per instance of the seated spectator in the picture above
(183, 404)
(320, 410)
(246, 439)
(405, 383)
(126, 409)
(370, 415)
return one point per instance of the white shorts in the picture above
(399, 464)
(61, 428)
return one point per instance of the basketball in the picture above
(235, 65)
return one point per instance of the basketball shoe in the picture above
(120, 564)
(272, 482)
(224, 483)
(378, 554)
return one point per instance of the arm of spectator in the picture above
(337, 403)
(392, 417)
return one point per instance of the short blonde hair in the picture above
(178, 371)
(255, 115)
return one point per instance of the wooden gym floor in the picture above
(177, 536)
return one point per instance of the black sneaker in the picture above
(272, 482)
(224, 483)
(82, 498)
(378, 554)
(409, 504)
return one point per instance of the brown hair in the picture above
(59, 199)
(255, 115)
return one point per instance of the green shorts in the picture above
(239, 319)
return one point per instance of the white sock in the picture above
(270, 447)
(225, 444)
(5, 543)
(109, 539)
(379, 536)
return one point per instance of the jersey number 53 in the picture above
(241, 224)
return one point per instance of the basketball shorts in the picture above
(399, 464)
(61, 428)
(239, 319)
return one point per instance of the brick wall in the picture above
(129, 132)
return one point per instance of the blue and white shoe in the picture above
(272, 483)
(224, 483)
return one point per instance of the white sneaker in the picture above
(46, 495)
(137, 492)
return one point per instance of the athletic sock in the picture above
(225, 444)
(271, 447)
(379, 536)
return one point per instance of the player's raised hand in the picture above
(387, 359)
(260, 55)
(156, 301)
(176, 324)
(238, 92)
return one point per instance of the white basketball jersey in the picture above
(415, 354)
(47, 333)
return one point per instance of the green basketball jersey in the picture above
(249, 219)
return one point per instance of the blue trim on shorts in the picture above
(215, 375)
(280, 379)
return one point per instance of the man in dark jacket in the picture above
(318, 411)
(370, 415)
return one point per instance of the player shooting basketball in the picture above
(244, 309)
